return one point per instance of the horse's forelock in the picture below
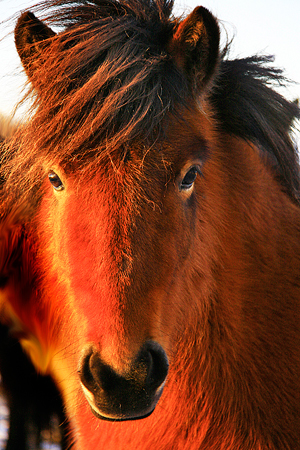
(104, 82)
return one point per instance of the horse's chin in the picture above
(116, 418)
(110, 415)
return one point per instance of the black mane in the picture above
(249, 108)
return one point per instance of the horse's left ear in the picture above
(195, 47)
(31, 38)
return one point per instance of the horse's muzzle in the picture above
(133, 396)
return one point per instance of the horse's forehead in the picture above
(118, 180)
(180, 143)
(141, 168)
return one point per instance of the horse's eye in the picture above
(189, 178)
(55, 181)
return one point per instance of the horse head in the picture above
(116, 233)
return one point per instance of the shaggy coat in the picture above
(150, 231)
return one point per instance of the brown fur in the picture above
(130, 100)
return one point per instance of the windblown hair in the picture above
(107, 80)
(7, 128)
(249, 108)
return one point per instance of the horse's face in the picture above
(116, 238)
(120, 237)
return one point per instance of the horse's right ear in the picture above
(31, 38)
(195, 47)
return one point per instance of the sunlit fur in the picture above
(128, 98)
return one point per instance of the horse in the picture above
(150, 230)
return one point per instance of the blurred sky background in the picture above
(258, 26)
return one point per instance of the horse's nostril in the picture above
(150, 369)
(85, 372)
(122, 397)
(155, 359)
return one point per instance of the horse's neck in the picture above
(249, 353)
(246, 346)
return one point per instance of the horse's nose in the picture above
(124, 397)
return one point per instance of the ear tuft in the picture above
(195, 47)
(30, 37)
